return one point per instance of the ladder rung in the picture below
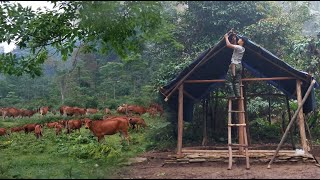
(236, 111)
(237, 124)
(242, 145)
(238, 155)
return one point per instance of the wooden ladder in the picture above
(243, 141)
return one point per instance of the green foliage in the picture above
(120, 26)
(262, 131)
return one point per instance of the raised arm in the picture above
(229, 45)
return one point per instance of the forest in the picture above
(102, 54)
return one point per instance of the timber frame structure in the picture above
(208, 72)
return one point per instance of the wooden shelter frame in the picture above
(299, 113)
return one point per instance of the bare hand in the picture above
(226, 35)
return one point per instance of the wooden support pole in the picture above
(180, 121)
(291, 121)
(205, 134)
(301, 119)
(289, 116)
(241, 118)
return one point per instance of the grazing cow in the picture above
(51, 124)
(137, 122)
(92, 111)
(61, 109)
(73, 125)
(27, 113)
(38, 131)
(136, 109)
(16, 129)
(107, 111)
(58, 129)
(44, 110)
(3, 132)
(10, 112)
(108, 127)
(29, 128)
(79, 111)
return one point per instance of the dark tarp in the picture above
(214, 62)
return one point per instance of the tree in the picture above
(122, 26)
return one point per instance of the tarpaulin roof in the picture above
(214, 63)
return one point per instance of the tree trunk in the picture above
(62, 88)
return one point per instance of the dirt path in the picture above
(153, 168)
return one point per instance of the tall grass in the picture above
(76, 155)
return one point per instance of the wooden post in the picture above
(289, 116)
(205, 134)
(291, 122)
(241, 119)
(180, 121)
(301, 118)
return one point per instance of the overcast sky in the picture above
(34, 5)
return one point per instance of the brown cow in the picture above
(44, 110)
(73, 125)
(51, 124)
(16, 129)
(136, 109)
(10, 112)
(58, 129)
(137, 122)
(79, 111)
(63, 122)
(29, 128)
(108, 127)
(38, 131)
(27, 113)
(3, 132)
(92, 111)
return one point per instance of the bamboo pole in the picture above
(301, 119)
(180, 121)
(291, 121)
(289, 115)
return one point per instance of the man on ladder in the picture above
(234, 91)
(235, 68)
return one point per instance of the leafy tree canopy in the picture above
(121, 26)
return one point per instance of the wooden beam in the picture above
(301, 119)
(180, 121)
(291, 121)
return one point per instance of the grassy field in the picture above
(76, 155)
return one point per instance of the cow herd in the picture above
(108, 125)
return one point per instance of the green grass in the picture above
(76, 155)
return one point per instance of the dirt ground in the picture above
(154, 168)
